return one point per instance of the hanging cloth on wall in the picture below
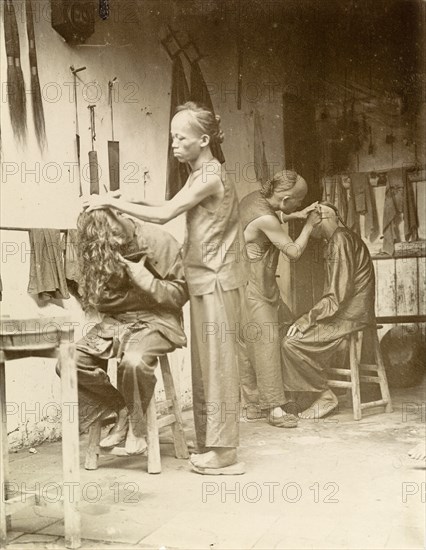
(411, 220)
(200, 94)
(371, 223)
(15, 78)
(365, 203)
(37, 102)
(177, 173)
(71, 267)
(260, 162)
(392, 209)
(47, 275)
(359, 180)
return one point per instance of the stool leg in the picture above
(381, 372)
(153, 440)
(92, 451)
(4, 458)
(356, 393)
(181, 448)
(70, 446)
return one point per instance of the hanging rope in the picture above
(15, 78)
(37, 102)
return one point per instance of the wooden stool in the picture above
(363, 372)
(26, 338)
(172, 418)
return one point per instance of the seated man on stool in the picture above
(141, 303)
(347, 305)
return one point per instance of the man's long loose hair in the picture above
(97, 256)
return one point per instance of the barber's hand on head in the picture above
(96, 202)
(137, 271)
(294, 332)
(314, 218)
(303, 214)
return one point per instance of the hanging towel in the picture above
(411, 221)
(177, 173)
(358, 180)
(47, 274)
(341, 198)
(352, 218)
(372, 229)
(393, 208)
(260, 162)
(200, 94)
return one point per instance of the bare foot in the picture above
(118, 432)
(135, 445)
(135, 441)
(220, 457)
(280, 419)
(418, 452)
(325, 403)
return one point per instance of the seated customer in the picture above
(347, 305)
(141, 304)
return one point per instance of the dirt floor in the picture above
(330, 483)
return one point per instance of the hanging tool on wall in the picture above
(77, 131)
(113, 146)
(93, 155)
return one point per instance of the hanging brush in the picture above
(15, 78)
(37, 102)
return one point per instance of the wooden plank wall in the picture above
(400, 286)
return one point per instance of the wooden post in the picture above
(92, 452)
(181, 448)
(70, 443)
(4, 458)
(381, 371)
(356, 392)
(153, 441)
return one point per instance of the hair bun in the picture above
(217, 117)
(220, 136)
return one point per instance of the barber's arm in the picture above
(299, 214)
(339, 287)
(170, 292)
(206, 185)
(292, 249)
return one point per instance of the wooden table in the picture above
(49, 337)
